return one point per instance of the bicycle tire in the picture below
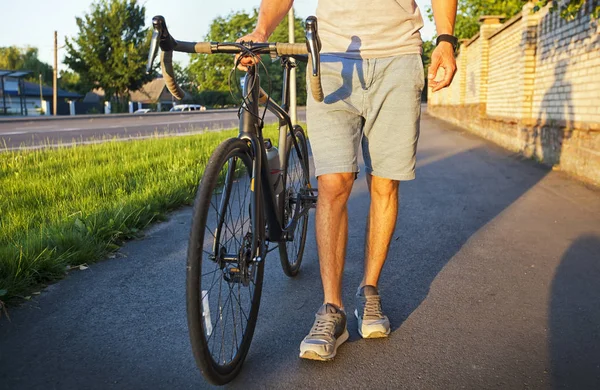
(212, 251)
(296, 178)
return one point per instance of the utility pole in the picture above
(41, 95)
(55, 75)
(293, 115)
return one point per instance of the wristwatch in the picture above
(447, 38)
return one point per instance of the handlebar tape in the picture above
(166, 63)
(315, 82)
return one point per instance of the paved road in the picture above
(491, 282)
(39, 131)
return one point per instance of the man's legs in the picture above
(381, 223)
(332, 232)
(332, 229)
(329, 329)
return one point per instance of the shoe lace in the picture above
(373, 306)
(323, 326)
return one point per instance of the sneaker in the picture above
(372, 323)
(327, 334)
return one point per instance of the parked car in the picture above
(142, 111)
(187, 107)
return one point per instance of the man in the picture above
(372, 78)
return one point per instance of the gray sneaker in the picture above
(327, 334)
(372, 323)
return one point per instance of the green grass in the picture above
(74, 205)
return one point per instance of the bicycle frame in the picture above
(251, 129)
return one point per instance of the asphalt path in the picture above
(23, 133)
(491, 283)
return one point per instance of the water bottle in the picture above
(274, 169)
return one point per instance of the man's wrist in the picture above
(447, 39)
(262, 33)
(445, 44)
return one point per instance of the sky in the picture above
(33, 22)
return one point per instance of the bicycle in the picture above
(243, 204)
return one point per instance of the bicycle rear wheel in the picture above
(296, 184)
(224, 278)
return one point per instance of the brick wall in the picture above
(567, 83)
(473, 71)
(505, 71)
(532, 84)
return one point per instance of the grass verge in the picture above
(74, 205)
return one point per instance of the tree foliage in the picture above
(568, 9)
(71, 81)
(111, 49)
(427, 50)
(469, 12)
(212, 72)
(15, 58)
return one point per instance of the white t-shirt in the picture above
(369, 28)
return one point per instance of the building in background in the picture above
(154, 95)
(20, 97)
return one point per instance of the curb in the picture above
(97, 116)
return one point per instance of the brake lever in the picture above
(313, 43)
(160, 37)
(153, 47)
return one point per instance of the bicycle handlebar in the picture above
(161, 37)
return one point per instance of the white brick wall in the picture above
(473, 78)
(565, 59)
(505, 77)
(567, 83)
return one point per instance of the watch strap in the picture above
(447, 38)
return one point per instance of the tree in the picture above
(71, 81)
(568, 10)
(427, 50)
(14, 58)
(469, 12)
(111, 49)
(211, 72)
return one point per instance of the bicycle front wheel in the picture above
(294, 207)
(224, 269)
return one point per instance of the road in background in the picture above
(23, 133)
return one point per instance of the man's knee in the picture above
(335, 186)
(382, 187)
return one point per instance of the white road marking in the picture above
(228, 119)
(100, 141)
(124, 126)
(35, 128)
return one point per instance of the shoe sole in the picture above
(312, 355)
(369, 335)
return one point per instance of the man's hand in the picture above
(246, 61)
(442, 57)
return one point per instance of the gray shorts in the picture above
(373, 102)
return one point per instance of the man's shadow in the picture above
(348, 68)
(440, 212)
(574, 321)
(545, 140)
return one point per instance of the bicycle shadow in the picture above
(574, 319)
